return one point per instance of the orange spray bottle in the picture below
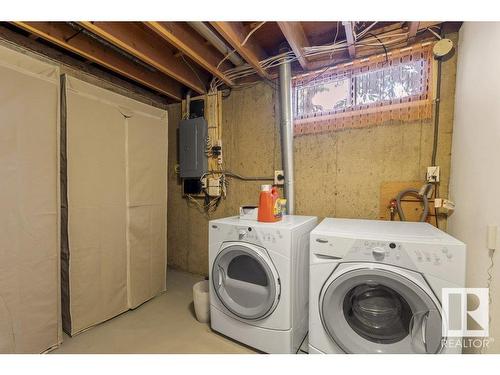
(268, 201)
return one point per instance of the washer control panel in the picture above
(407, 255)
(379, 251)
(435, 257)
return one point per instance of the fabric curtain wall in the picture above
(116, 189)
(29, 204)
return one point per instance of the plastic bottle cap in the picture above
(265, 187)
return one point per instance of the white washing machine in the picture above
(375, 286)
(259, 281)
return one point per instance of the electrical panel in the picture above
(193, 161)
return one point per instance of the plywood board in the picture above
(412, 206)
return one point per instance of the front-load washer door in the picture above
(245, 280)
(376, 310)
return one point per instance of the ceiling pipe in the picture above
(286, 125)
(217, 42)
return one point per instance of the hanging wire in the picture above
(194, 71)
(363, 38)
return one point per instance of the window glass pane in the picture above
(322, 97)
(389, 83)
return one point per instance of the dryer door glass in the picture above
(380, 311)
(245, 281)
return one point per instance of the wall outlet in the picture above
(433, 174)
(438, 202)
(279, 178)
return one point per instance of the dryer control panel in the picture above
(236, 233)
(248, 234)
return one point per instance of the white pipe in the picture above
(285, 78)
(209, 35)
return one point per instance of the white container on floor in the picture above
(201, 301)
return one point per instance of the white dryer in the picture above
(375, 286)
(259, 281)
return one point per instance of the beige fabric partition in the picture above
(116, 192)
(147, 193)
(29, 204)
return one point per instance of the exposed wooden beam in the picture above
(412, 31)
(349, 34)
(234, 33)
(297, 39)
(64, 36)
(183, 37)
(89, 70)
(365, 51)
(135, 40)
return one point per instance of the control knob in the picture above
(241, 233)
(378, 253)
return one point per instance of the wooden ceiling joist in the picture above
(365, 51)
(349, 34)
(66, 37)
(234, 33)
(185, 39)
(135, 40)
(412, 31)
(297, 39)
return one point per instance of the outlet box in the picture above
(433, 174)
(279, 178)
(213, 187)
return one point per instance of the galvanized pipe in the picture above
(286, 122)
(209, 35)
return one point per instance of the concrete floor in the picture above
(165, 324)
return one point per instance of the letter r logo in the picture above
(465, 312)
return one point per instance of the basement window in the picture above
(322, 97)
(393, 82)
(365, 92)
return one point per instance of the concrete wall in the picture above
(476, 153)
(337, 174)
(250, 146)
